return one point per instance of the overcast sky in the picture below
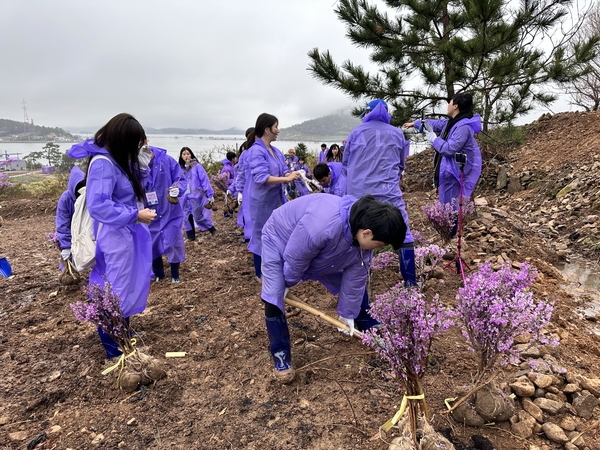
(179, 63)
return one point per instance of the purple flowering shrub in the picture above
(53, 237)
(103, 310)
(4, 183)
(426, 260)
(408, 326)
(443, 217)
(220, 181)
(384, 259)
(495, 307)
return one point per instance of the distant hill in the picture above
(11, 130)
(333, 127)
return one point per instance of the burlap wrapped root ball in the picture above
(141, 369)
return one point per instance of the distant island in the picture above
(330, 128)
(13, 131)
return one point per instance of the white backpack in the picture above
(83, 238)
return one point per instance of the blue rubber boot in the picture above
(257, 265)
(364, 321)
(407, 264)
(158, 268)
(111, 347)
(279, 345)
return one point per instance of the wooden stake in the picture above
(294, 301)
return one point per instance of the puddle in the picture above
(584, 284)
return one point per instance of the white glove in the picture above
(173, 191)
(239, 197)
(349, 322)
(429, 133)
(211, 199)
(65, 253)
(228, 193)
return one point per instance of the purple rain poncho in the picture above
(291, 162)
(460, 139)
(241, 176)
(162, 173)
(310, 239)
(263, 198)
(322, 156)
(198, 191)
(337, 185)
(229, 169)
(374, 160)
(123, 246)
(66, 208)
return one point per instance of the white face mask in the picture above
(144, 157)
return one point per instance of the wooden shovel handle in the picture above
(294, 301)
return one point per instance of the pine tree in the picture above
(506, 53)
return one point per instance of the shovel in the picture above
(294, 301)
(5, 269)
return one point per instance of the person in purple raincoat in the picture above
(322, 157)
(199, 193)
(114, 198)
(229, 168)
(329, 239)
(164, 178)
(373, 163)
(268, 173)
(65, 209)
(331, 177)
(301, 189)
(241, 186)
(457, 137)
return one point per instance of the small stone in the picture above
(53, 376)
(540, 380)
(551, 396)
(571, 388)
(592, 385)
(194, 336)
(569, 446)
(4, 420)
(533, 409)
(131, 421)
(522, 387)
(549, 406)
(585, 405)
(100, 437)
(522, 429)
(55, 429)
(18, 435)
(554, 433)
(568, 424)
(522, 338)
(579, 442)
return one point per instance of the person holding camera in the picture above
(455, 148)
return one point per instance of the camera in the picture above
(460, 158)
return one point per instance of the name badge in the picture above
(152, 198)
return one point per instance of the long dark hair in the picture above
(122, 137)
(330, 157)
(181, 160)
(263, 122)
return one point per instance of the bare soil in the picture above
(223, 395)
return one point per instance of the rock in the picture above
(554, 433)
(55, 429)
(4, 420)
(568, 424)
(539, 393)
(579, 442)
(549, 406)
(522, 338)
(533, 410)
(551, 396)
(592, 385)
(540, 380)
(585, 405)
(522, 429)
(502, 180)
(571, 388)
(100, 437)
(522, 387)
(569, 446)
(18, 436)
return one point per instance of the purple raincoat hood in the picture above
(85, 149)
(345, 205)
(379, 113)
(474, 122)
